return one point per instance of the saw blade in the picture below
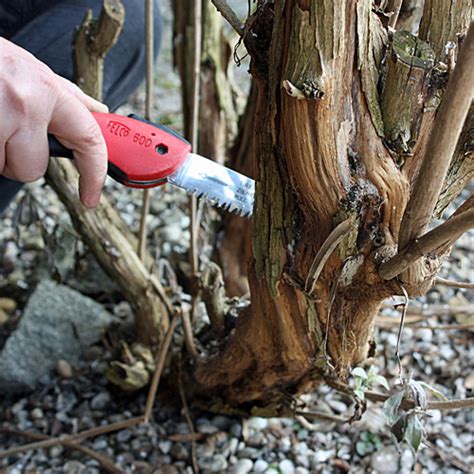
(217, 184)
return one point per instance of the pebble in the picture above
(100, 401)
(385, 460)
(56, 451)
(236, 430)
(74, 467)
(248, 452)
(3, 317)
(207, 429)
(260, 465)
(123, 436)
(243, 466)
(287, 467)
(257, 423)
(424, 334)
(165, 446)
(64, 369)
(100, 444)
(179, 451)
(301, 470)
(213, 464)
(256, 439)
(222, 422)
(338, 406)
(37, 414)
(8, 305)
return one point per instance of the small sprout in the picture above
(366, 380)
(368, 443)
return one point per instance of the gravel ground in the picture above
(78, 398)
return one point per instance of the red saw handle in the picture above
(141, 154)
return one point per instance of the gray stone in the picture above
(74, 467)
(301, 470)
(257, 423)
(100, 401)
(286, 466)
(123, 436)
(385, 460)
(222, 422)
(57, 323)
(179, 452)
(213, 464)
(242, 466)
(260, 465)
(165, 446)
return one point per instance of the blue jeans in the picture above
(45, 29)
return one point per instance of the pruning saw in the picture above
(143, 154)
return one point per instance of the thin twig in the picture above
(441, 144)
(104, 461)
(189, 420)
(229, 14)
(454, 284)
(188, 334)
(444, 327)
(394, 10)
(406, 404)
(97, 431)
(400, 330)
(194, 127)
(317, 415)
(149, 46)
(444, 234)
(160, 364)
(436, 310)
(161, 292)
(142, 232)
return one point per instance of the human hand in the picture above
(34, 101)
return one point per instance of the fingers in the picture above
(75, 127)
(27, 154)
(92, 104)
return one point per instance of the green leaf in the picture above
(391, 407)
(362, 448)
(398, 429)
(434, 391)
(360, 392)
(380, 380)
(359, 372)
(414, 432)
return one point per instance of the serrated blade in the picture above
(215, 183)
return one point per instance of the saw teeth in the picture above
(226, 206)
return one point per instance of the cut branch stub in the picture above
(406, 83)
(91, 42)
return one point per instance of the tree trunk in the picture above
(332, 186)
